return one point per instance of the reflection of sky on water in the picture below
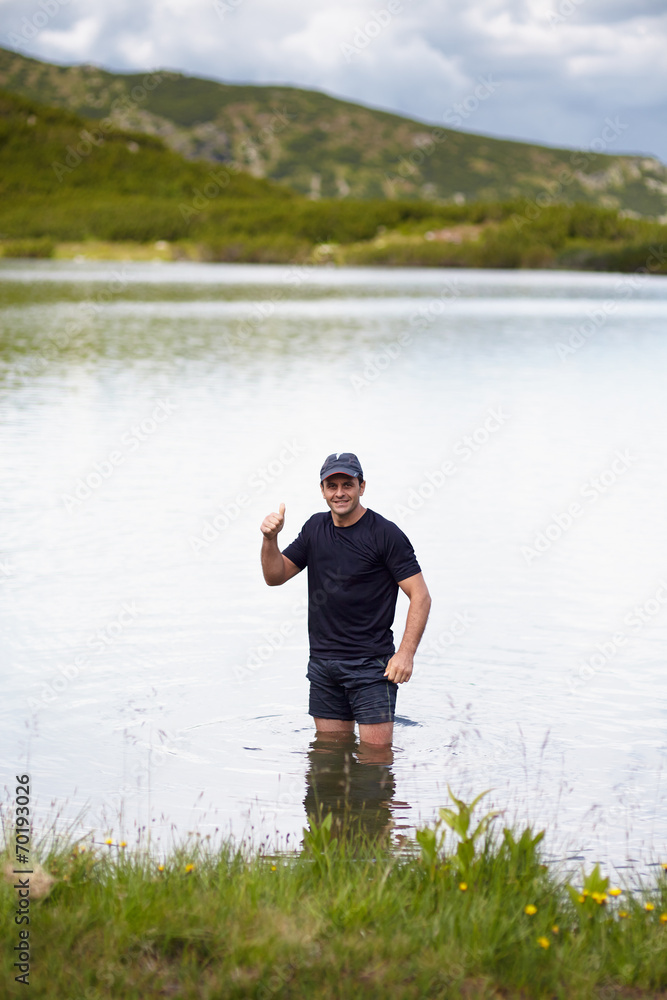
(162, 710)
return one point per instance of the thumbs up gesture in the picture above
(273, 523)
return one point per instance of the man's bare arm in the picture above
(399, 668)
(276, 567)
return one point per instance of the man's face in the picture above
(342, 493)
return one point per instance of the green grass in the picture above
(63, 180)
(469, 914)
(312, 141)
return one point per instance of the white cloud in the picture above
(562, 65)
(74, 42)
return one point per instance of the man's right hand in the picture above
(273, 523)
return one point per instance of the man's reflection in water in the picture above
(353, 781)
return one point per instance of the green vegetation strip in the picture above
(344, 918)
(64, 181)
(319, 145)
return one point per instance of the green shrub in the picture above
(39, 247)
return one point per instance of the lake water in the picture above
(513, 424)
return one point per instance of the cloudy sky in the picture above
(553, 71)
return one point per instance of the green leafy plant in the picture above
(521, 855)
(430, 844)
(592, 898)
(319, 842)
(458, 820)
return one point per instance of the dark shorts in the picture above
(354, 689)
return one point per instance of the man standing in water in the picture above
(356, 562)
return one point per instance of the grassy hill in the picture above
(328, 148)
(63, 178)
(68, 180)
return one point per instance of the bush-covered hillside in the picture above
(64, 179)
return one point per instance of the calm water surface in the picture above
(513, 424)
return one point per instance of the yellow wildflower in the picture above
(599, 897)
(649, 907)
(530, 909)
(123, 843)
(555, 929)
(663, 918)
(615, 892)
(543, 942)
(109, 842)
(463, 886)
(189, 868)
(582, 899)
(160, 868)
(273, 868)
(622, 913)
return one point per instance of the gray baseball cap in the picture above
(344, 462)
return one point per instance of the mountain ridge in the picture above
(327, 147)
(74, 186)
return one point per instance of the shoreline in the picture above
(397, 252)
(461, 911)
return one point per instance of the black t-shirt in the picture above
(353, 576)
